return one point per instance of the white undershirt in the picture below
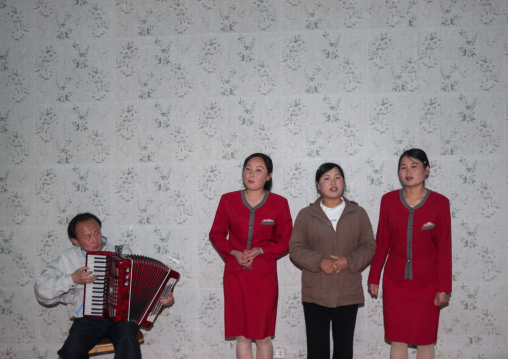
(334, 213)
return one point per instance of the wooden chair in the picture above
(105, 346)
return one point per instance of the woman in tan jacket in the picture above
(332, 242)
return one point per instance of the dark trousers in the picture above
(317, 325)
(86, 332)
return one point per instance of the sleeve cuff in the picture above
(70, 282)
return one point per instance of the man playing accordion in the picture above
(63, 281)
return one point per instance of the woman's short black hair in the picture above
(415, 153)
(325, 167)
(268, 164)
(82, 217)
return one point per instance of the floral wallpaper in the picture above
(142, 112)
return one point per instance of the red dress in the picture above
(418, 244)
(251, 294)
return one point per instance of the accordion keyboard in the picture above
(96, 292)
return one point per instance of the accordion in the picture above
(128, 287)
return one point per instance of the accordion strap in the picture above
(119, 249)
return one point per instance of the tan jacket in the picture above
(314, 239)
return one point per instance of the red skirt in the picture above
(250, 304)
(410, 315)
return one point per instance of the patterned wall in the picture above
(142, 112)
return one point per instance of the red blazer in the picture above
(431, 241)
(272, 227)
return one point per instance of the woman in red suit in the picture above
(414, 231)
(251, 229)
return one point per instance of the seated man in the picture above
(62, 281)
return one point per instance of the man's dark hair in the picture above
(82, 217)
